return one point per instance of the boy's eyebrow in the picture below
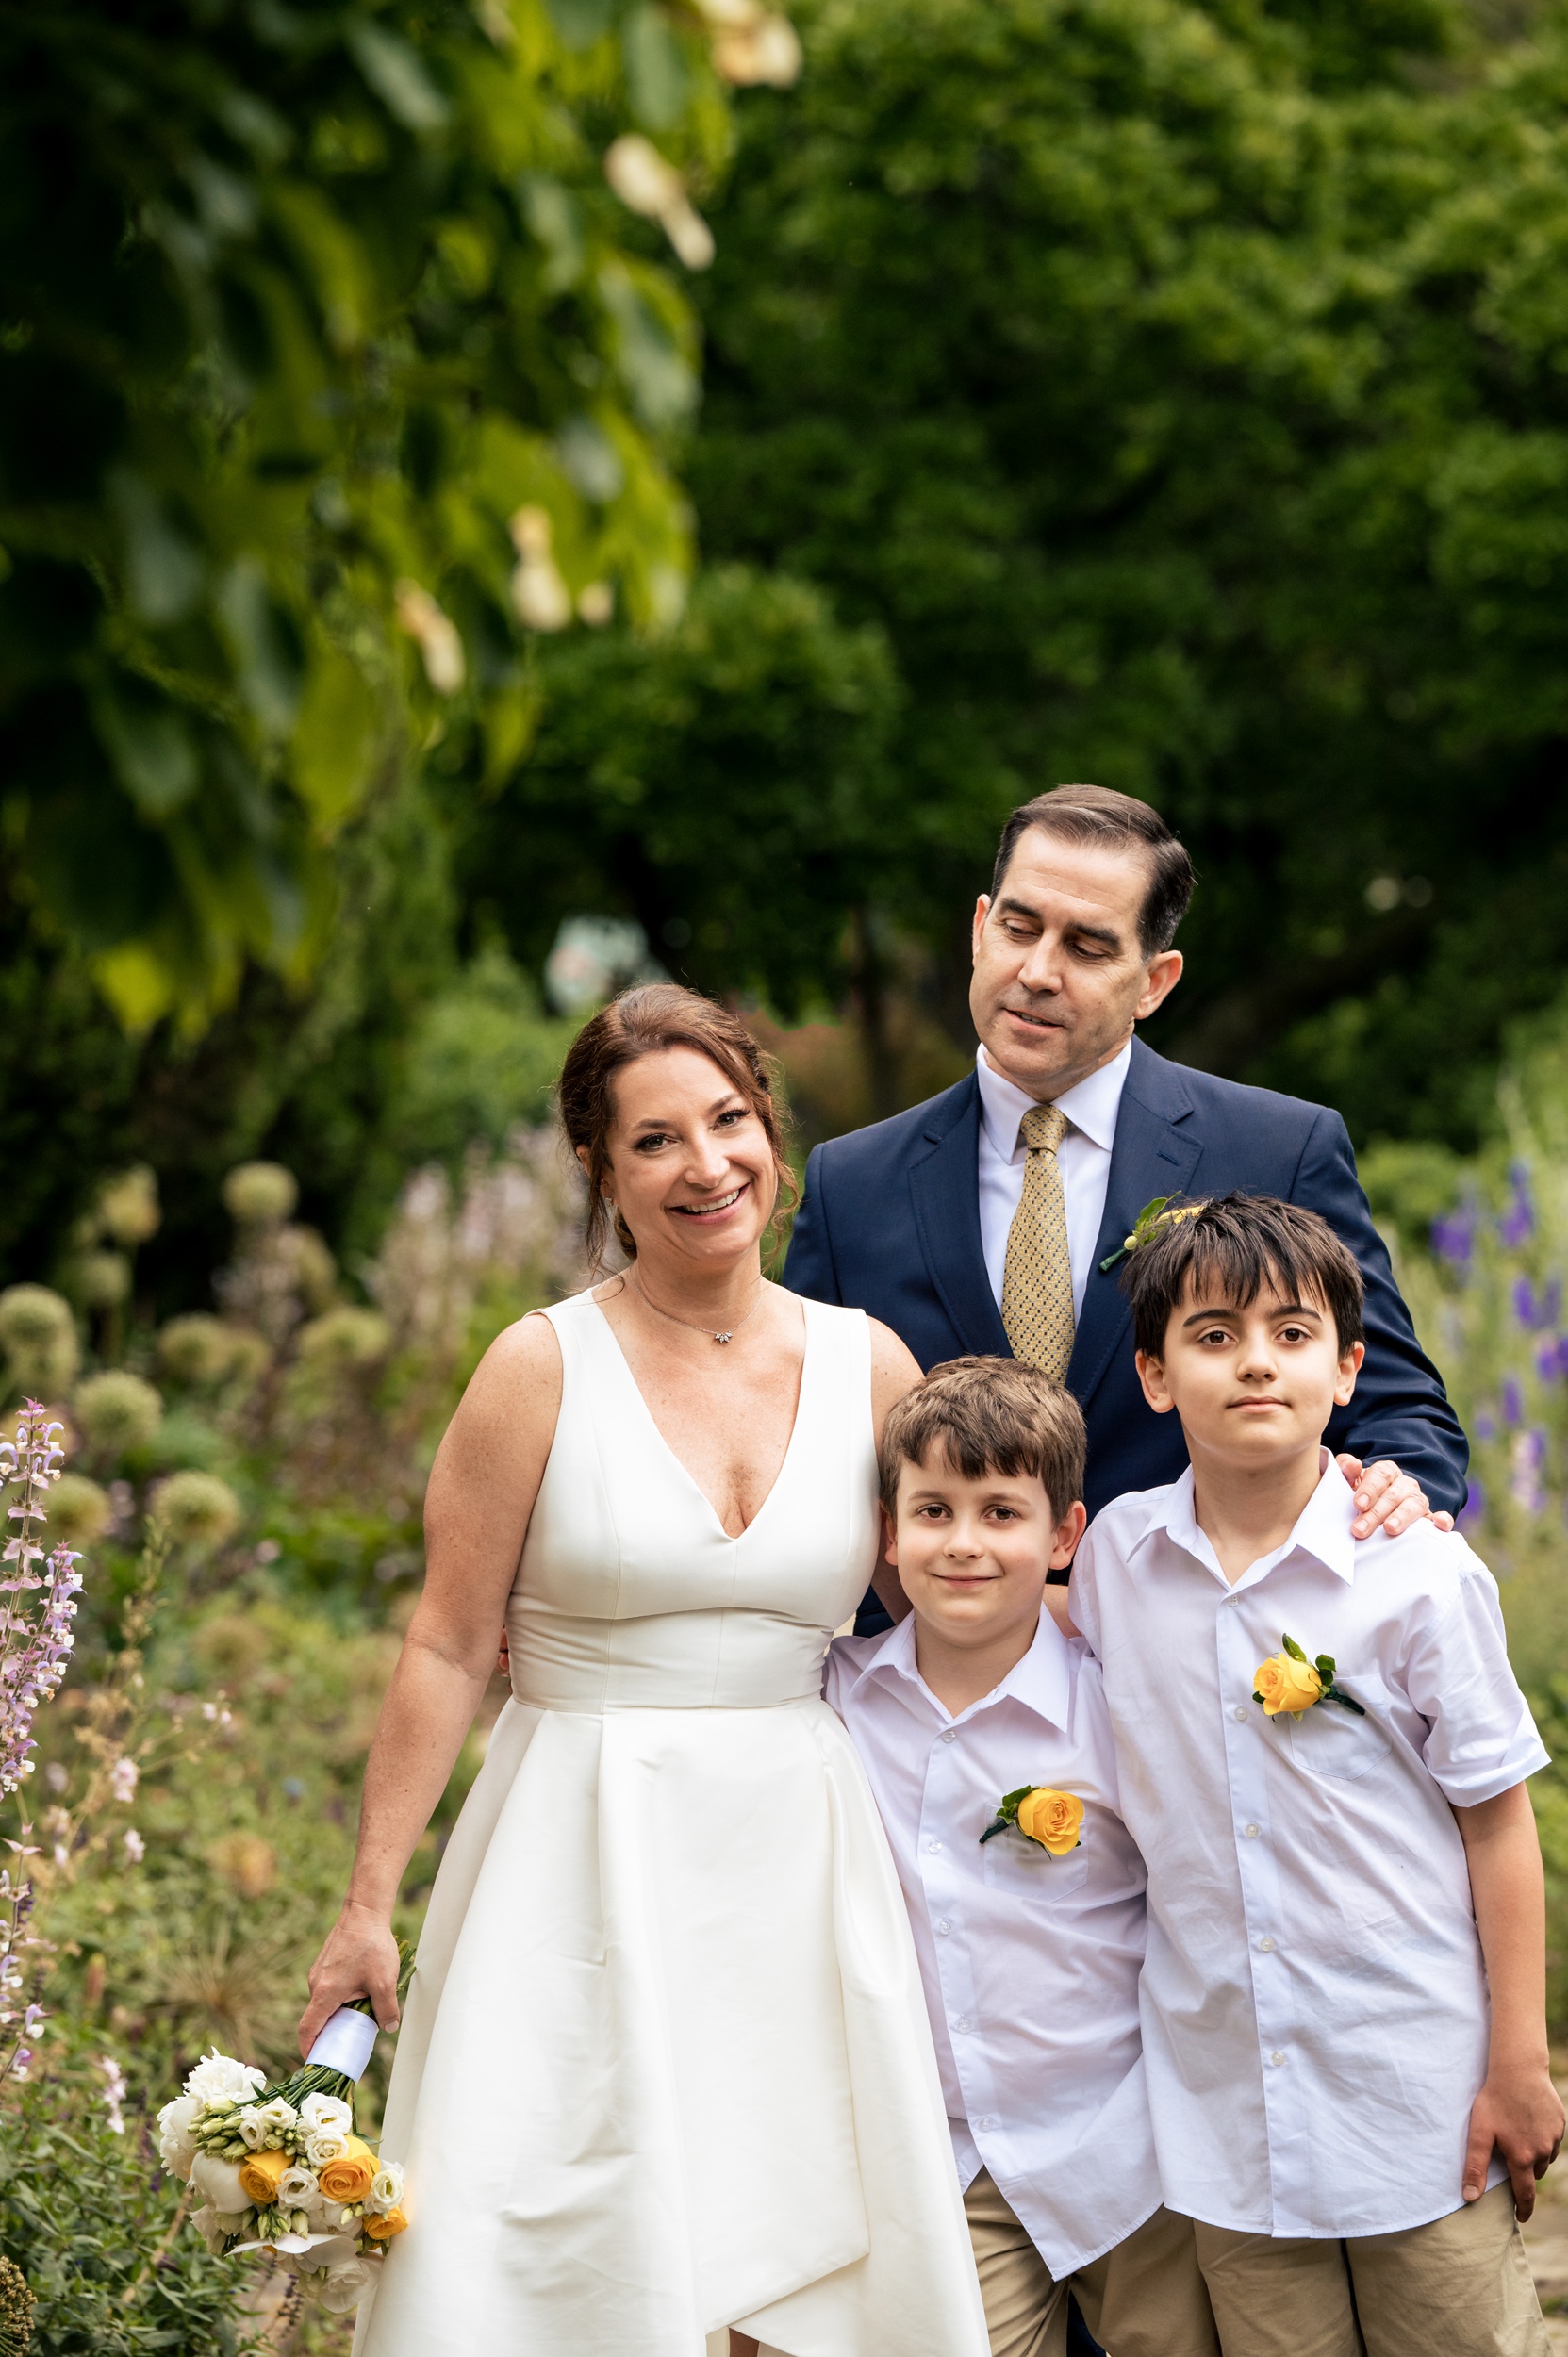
(1281, 1310)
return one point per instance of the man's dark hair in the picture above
(989, 1416)
(1094, 814)
(1227, 1251)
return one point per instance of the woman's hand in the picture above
(360, 1959)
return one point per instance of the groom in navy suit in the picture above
(989, 1218)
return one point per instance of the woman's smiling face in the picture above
(691, 1171)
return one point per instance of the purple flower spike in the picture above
(1517, 1224)
(1548, 1358)
(1512, 1402)
(1473, 1507)
(1453, 1239)
(1486, 1427)
(1534, 1309)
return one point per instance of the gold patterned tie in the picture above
(1037, 1284)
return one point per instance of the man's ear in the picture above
(1069, 1530)
(889, 1536)
(983, 909)
(1151, 1374)
(1163, 973)
(1349, 1367)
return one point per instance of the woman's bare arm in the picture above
(482, 1489)
(894, 1370)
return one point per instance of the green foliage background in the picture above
(1169, 392)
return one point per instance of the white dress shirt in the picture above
(1314, 2007)
(1030, 1962)
(1084, 1159)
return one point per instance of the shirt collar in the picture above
(1090, 1105)
(1042, 1681)
(1322, 1530)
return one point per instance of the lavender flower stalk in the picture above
(35, 1653)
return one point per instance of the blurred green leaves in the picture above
(297, 307)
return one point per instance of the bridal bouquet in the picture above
(279, 2170)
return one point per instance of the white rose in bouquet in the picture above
(214, 2228)
(218, 2075)
(265, 2125)
(342, 2287)
(176, 2147)
(386, 2190)
(327, 2144)
(320, 2111)
(218, 2183)
(297, 2189)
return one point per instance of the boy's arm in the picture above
(1517, 2110)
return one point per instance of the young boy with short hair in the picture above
(984, 1735)
(1322, 1754)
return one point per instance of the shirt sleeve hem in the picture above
(1471, 1792)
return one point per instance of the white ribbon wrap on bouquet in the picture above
(346, 2043)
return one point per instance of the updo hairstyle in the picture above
(641, 1022)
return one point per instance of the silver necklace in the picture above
(693, 1328)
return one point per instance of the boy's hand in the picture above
(1386, 1499)
(1519, 2112)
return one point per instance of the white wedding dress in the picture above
(665, 2065)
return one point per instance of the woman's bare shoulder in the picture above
(519, 1373)
(894, 1370)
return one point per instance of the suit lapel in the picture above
(944, 1184)
(1155, 1152)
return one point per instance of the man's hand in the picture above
(1519, 2112)
(1386, 1499)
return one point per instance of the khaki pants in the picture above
(1461, 2287)
(1143, 2298)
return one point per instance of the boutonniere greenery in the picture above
(1288, 1681)
(1159, 1214)
(1051, 1819)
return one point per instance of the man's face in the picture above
(1059, 978)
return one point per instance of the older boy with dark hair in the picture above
(985, 1736)
(1322, 1754)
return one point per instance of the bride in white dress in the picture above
(665, 2067)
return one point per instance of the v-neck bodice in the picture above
(680, 1463)
(631, 1593)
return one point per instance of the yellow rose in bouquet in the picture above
(349, 2177)
(259, 2175)
(1051, 1819)
(383, 2228)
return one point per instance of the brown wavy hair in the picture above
(641, 1022)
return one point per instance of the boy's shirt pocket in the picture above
(1024, 1869)
(1330, 1740)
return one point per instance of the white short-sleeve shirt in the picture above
(1030, 1962)
(1314, 2007)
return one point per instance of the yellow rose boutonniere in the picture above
(1051, 1819)
(1288, 1681)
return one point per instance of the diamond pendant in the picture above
(723, 1338)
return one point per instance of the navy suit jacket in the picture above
(890, 1223)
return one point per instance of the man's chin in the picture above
(1026, 1053)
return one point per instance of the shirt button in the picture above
(1251, 1830)
(1266, 1945)
(949, 1734)
(934, 1847)
(943, 1927)
(962, 2023)
(1240, 1711)
(1276, 2059)
(985, 2126)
